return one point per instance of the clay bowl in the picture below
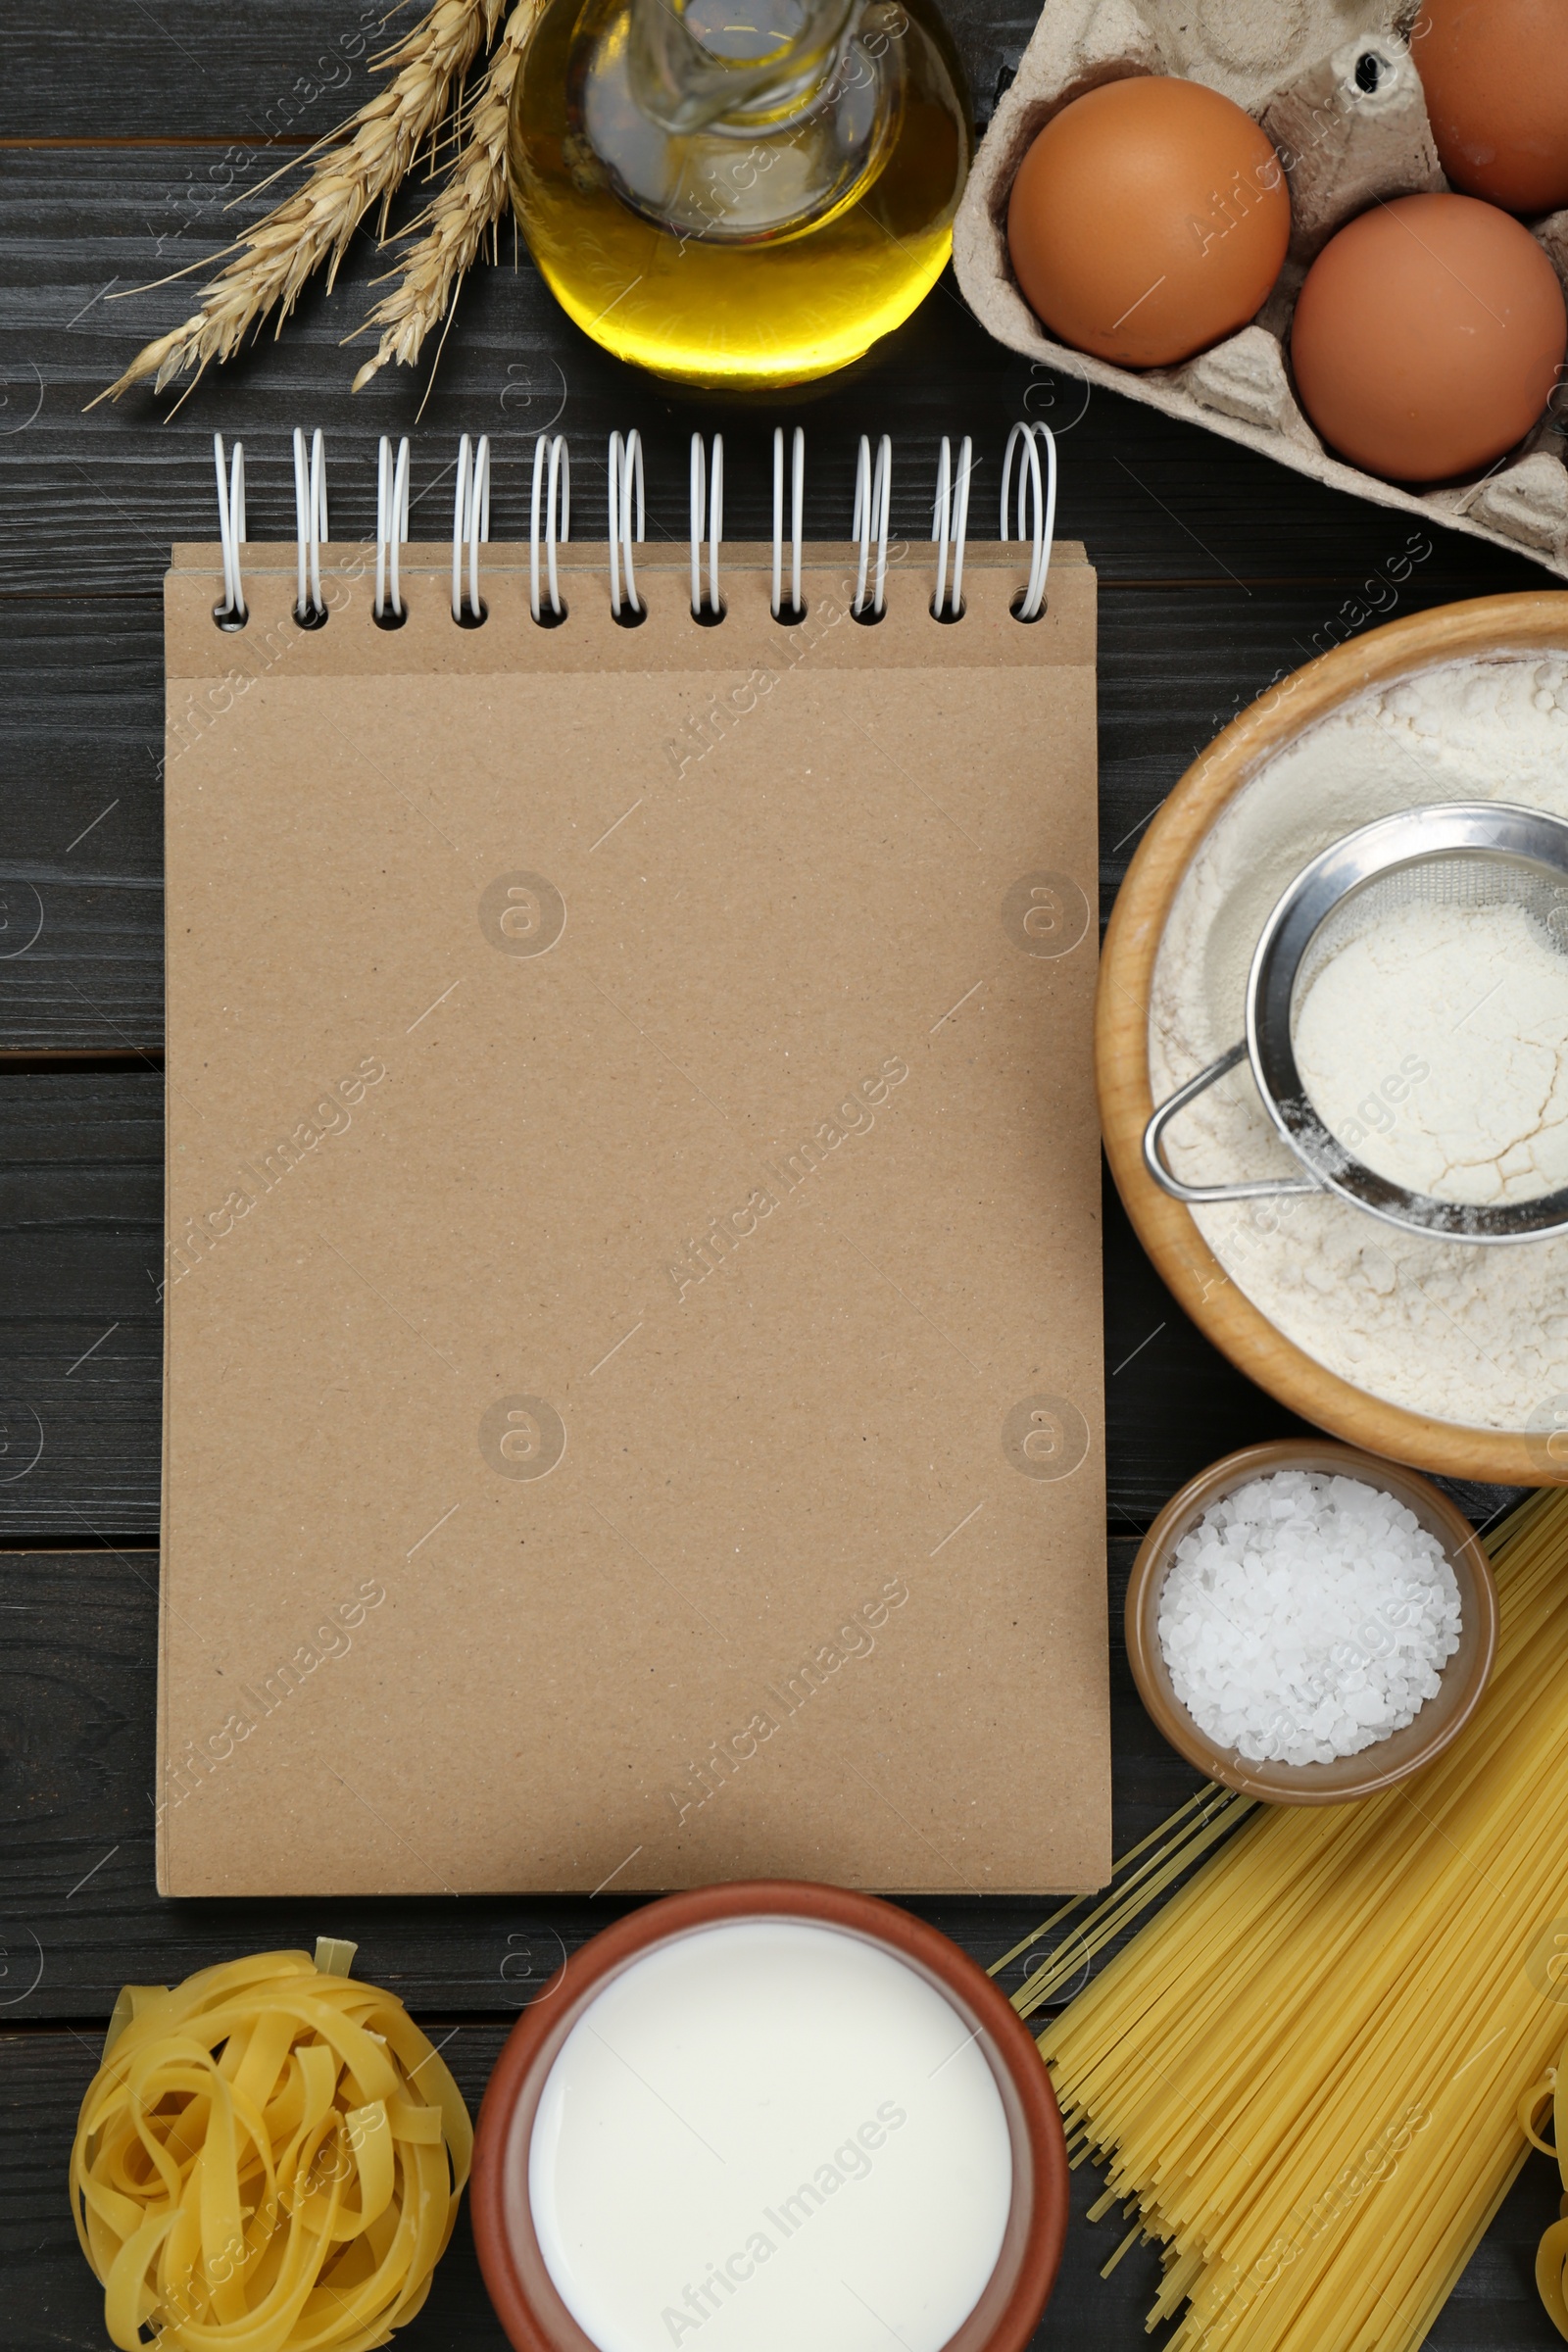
(1464, 1679)
(532, 2312)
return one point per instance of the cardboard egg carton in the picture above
(1332, 85)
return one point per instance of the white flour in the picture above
(1463, 1332)
(1470, 1005)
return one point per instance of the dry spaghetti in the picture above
(1305, 2074)
(269, 2157)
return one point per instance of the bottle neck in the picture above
(735, 132)
(688, 74)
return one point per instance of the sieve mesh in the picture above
(1461, 855)
(1457, 853)
(1452, 879)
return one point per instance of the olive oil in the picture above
(739, 205)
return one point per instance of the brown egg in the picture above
(1496, 78)
(1428, 336)
(1148, 219)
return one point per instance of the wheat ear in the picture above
(454, 225)
(314, 224)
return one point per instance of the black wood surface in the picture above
(81, 739)
(42, 2077)
(78, 1665)
(80, 1325)
(124, 132)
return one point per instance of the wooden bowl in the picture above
(525, 2297)
(1215, 1302)
(1440, 1722)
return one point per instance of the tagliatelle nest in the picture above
(362, 167)
(271, 2155)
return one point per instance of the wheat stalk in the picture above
(453, 227)
(316, 224)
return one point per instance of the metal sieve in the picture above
(1466, 853)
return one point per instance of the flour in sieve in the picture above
(1464, 1332)
(1475, 1002)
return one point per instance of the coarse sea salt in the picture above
(1306, 1617)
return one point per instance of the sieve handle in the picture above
(1262, 1188)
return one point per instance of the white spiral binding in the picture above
(625, 480)
(874, 496)
(471, 523)
(551, 522)
(1043, 503)
(949, 527)
(232, 612)
(709, 492)
(310, 522)
(558, 499)
(797, 512)
(391, 525)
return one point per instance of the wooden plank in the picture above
(82, 718)
(81, 826)
(93, 499)
(80, 1324)
(80, 741)
(80, 1328)
(80, 1210)
(91, 502)
(279, 70)
(257, 68)
(78, 1911)
(52, 2297)
(76, 1674)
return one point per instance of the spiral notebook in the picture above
(633, 1401)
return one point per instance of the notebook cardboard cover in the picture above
(633, 1405)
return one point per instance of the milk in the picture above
(770, 2136)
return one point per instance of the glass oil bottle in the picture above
(739, 204)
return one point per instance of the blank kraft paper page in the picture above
(633, 1407)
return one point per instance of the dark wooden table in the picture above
(125, 128)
